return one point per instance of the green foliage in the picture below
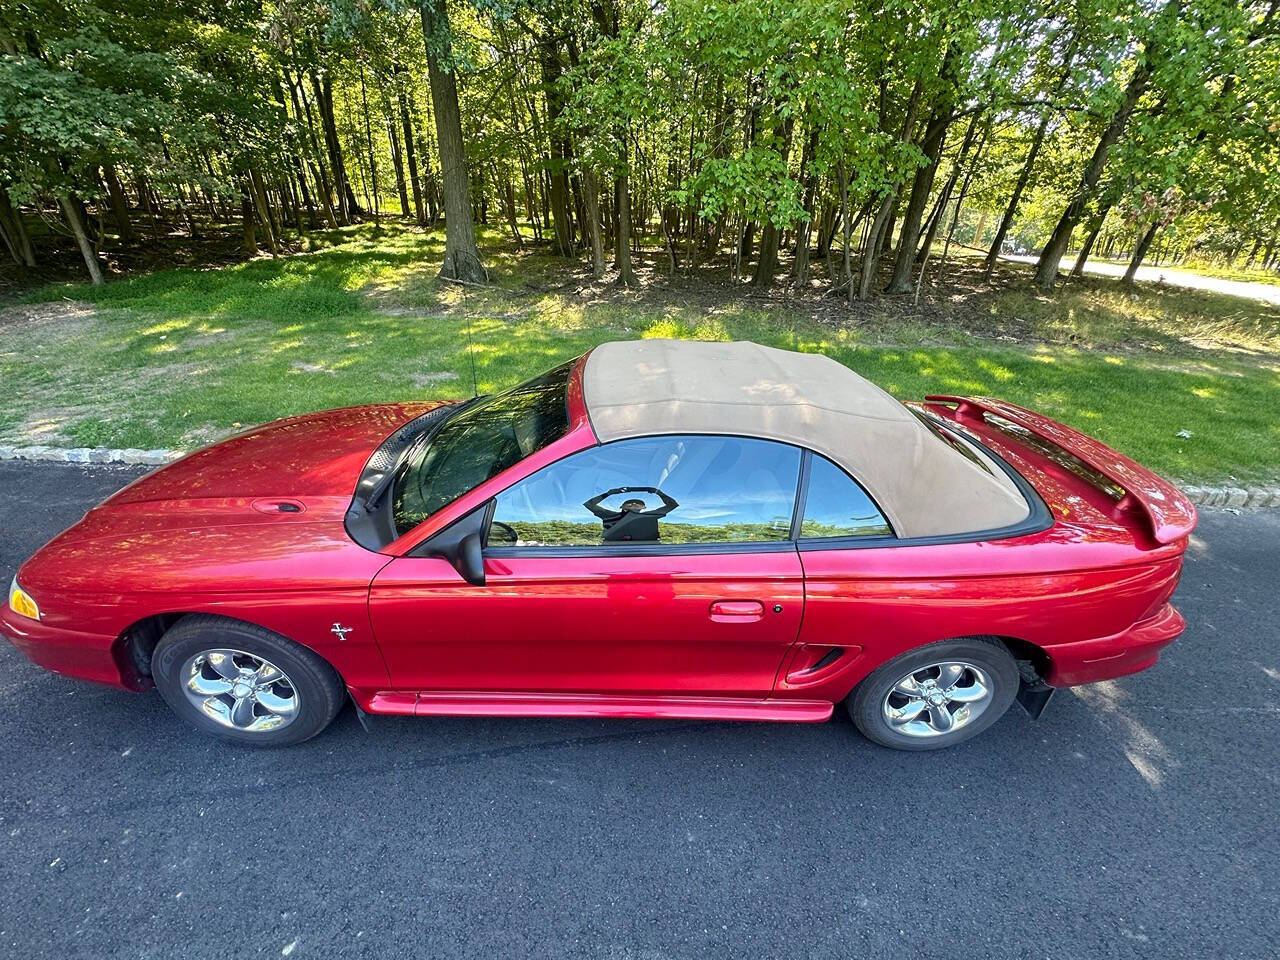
(724, 115)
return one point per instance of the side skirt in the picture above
(435, 703)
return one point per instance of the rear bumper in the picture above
(1106, 658)
(86, 656)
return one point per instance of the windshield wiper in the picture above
(380, 487)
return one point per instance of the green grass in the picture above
(180, 357)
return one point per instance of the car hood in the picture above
(214, 517)
(316, 455)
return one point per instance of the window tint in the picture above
(669, 490)
(838, 507)
(479, 442)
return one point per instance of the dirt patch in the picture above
(42, 314)
(45, 425)
(312, 368)
(420, 380)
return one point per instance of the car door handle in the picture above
(736, 611)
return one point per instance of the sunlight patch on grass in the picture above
(363, 319)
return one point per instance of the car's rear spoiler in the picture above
(1164, 508)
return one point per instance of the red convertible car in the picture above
(656, 529)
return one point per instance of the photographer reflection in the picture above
(631, 522)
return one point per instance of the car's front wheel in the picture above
(243, 683)
(936, 696)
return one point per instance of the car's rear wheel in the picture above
(936, 696)
(243, 683)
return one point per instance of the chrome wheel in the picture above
(939, 699)
(239, 690)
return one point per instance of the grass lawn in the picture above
(178, 358)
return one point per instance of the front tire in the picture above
(936, 696)
(242, 683)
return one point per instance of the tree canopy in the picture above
(849, 142)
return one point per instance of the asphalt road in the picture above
(1250, 289)
(1137, 819)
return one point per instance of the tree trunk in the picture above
(264, 212)
(368, 135)
(348, 207)
(1024, 175)
(461, 257)
(931, 146)
(119, 205)
(800, 271)
(71, 209)
(302, 110)
(591, 205)
(622, 233)
(249, 242)
(411, 157)
(871, 251)
(397, 162)
(767, 265)
(23, 252)
(1140, 253)
(556, 163)
(846, 262)
(964, 192)
(944, 198)
(301, 177)
(1095, 228)
(9, 234)
(1051, 256)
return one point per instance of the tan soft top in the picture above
(924, 485)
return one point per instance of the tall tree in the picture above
(461, 256)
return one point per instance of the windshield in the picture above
(477, 443)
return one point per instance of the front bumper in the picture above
(1106, 658)
(86, 656)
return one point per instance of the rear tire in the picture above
(242, 683)
(936, 696)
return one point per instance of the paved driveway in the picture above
(1138, 819)
(1266, 292)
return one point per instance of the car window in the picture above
(667, 490)
(836, 506)
(479, 442)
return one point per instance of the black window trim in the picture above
(1038, 518)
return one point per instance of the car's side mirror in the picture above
(470, 559)
(462, 544)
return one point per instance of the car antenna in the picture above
(471, 346)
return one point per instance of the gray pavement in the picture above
(1137, 819)
(1249, 289)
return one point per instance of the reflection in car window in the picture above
(837, 507)
(669, 490)
(480, 442)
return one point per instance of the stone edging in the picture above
(1232, 496)
(1200, 495)
(130, 455)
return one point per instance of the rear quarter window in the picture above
(837, 506)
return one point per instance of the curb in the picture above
(1201, 496)
(130, 455)
(1232, 496)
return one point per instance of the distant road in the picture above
(1266, 292)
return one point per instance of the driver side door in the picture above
(709, 606)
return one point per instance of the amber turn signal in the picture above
(22, 603)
